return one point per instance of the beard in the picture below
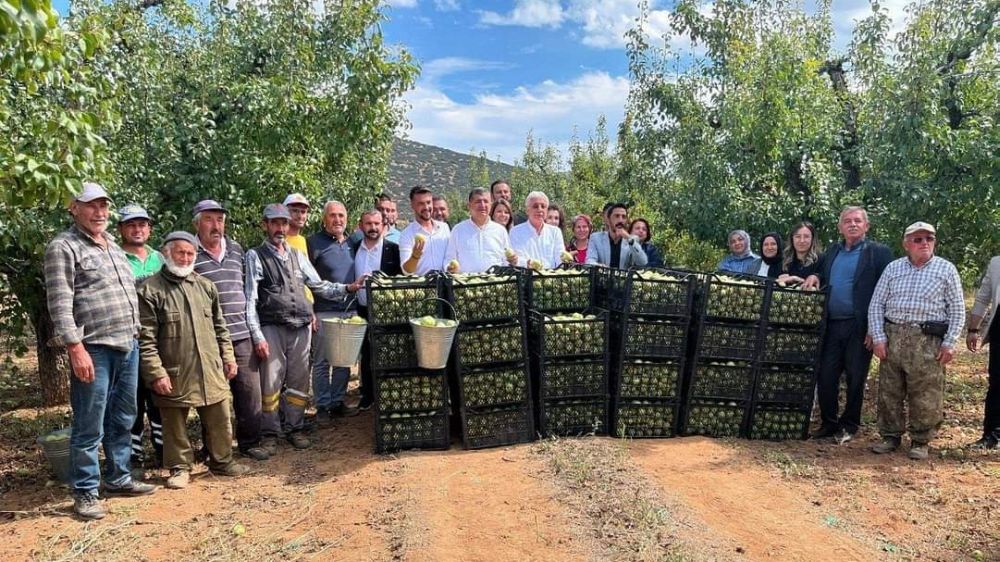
(177, 270)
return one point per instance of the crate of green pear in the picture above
(393, 350)
(796, 306)
(779, 423)
(558, 289)
(734, 298)
(494, 427)
(406, 392)
(574, 417)
(719, 418)
(563, 335)
(490, 387)
(728, 341)
(405, 430)
(649, 379)
(491, 343)
(645, 418)
(791, 346)
(654, 337)
(784, 383)
(394, 300)
(565, 379)
(484, 297)
(650, 291)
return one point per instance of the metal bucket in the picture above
(343, 342)
(433, 343)
(57, 453)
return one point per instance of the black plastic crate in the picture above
(788, 345)
(602, 285)
(796, 307)
(485, 297)
(722, 379)
(496, 427)
(401, 431)
(650, 379)
(393, 348)
(394, 300)
(779, 422)
(575, 334)
(582, 416)
(418, 390)
(786, 383)
(554, 290)
(715, 418)
(728, 341)
(639, 419)
(490, 344)
(644, 336)
(739, 298)
(480, 388)
(567, 379)
(651, 292)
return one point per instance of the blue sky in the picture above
(494, 70)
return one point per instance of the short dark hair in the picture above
(498, 182)
(610, 207)
(478, 191)
(418, 190)
(370, 212)
(649, 229)
(437, 198)
(562, 216)
(379, 197)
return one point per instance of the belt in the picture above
(908, 324)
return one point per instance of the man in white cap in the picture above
(135, 227)
(279, 319)
(95, 316)
(914, 319)
(298, 209)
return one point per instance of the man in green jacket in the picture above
(186, 358)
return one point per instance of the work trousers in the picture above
(145, 407)
(843, 353)
(284, 379)
(216, 431)
(910, 374)
(245, 387)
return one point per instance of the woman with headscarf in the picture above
(770, 261)
(740, 258)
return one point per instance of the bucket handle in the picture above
(453, 312)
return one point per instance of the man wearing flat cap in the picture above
(135, 226)
(280, 321)
(186, 358)
(915, 317)
(95, 316)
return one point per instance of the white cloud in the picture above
(446, 5)
(847, 13)
(528, 13)
(438, 68)
(499, 122)
(402, 3)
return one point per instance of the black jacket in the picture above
(390, 257)
(874, 258)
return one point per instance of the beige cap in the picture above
(917, 226)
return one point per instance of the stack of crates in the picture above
(489, 359)
(569, 351)
(720, 388)
(651, 309)
(411, 403)
(788, 363)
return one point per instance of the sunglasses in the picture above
(921, 239)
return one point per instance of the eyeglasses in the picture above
(921, 239)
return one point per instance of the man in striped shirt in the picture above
(915, 317)
(220, 260)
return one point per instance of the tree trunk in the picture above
(53, 363)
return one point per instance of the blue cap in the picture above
(208, 205)
(132, 212)
(276, 211)
(183, 236)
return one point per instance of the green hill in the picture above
(440, 169)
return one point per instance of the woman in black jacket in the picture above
(640, 227)
(801, 254)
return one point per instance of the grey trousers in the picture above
(284, 379)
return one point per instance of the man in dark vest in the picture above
(372, 253)
(280, 318)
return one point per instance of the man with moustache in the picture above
(537, 244)
(440, 209)
(386, 204)
(371, 254)
(330, 253)
(135, 227)
(424, 241)
(280, 322)
(500, 189)
(220, 260)
(615, 247)
(478, 243)
(95, 316)
(186, 358)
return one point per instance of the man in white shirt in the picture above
(423, 243)
(535, 241)
(478, 243)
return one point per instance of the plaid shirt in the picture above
(90, 291)
(907, 294)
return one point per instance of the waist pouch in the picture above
(937, 329)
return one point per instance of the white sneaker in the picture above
(178, 479)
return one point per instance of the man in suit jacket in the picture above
(372, 253)
(984, 310)
(614, 247)
(851, 270)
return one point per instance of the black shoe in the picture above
(825, 432)
(133, 488)
(843, 437)
(986, 443)
(365, 405)
(343, 411)
(256, 453)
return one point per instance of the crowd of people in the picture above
(235, 333)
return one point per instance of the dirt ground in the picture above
(592, 498)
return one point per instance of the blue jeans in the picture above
(328, 388)
(103, 413)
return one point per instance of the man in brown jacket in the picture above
(186, 358)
